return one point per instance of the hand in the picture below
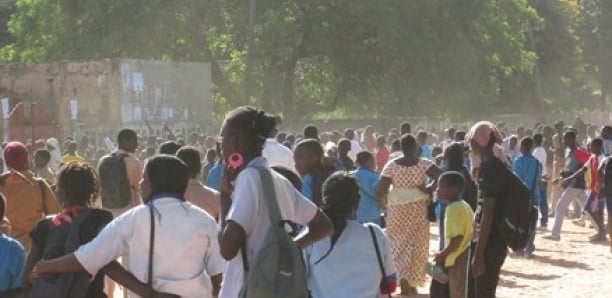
(423, 188)
(439, 259)
(33, 275)
(478, 266)
(229, 175)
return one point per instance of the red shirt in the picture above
(382, 157)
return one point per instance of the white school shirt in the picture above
(186, 244)
(351, 269)
(250, 211)
(355, 149)
(278, 155)
(540, 154)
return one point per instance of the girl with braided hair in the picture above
(349, 249)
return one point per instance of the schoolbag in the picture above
(518, 212)
(278, 269)
(61, 241)
(607, 181)
(114, 183)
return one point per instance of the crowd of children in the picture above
(195, 219)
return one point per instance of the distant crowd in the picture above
(258, 212)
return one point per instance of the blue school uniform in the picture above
(12, 263)
(369, 208)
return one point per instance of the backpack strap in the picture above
(151, 250)
(43, 192)
(379, 257)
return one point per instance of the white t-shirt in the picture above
(250, 211)
(355, 149)
(351, 269)
(186, 244)
(540, 154)
(278, 155)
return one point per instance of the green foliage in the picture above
(356, 57)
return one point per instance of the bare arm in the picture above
(65, 264)
(452, 247)
(33, 257)
(216, 284)
(318, 228)
(382, 190)
(488, 208)
(231, 238)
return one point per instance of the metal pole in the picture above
(248, 77)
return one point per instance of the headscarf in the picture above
(481, 133)
(16, 156)
(56, 154)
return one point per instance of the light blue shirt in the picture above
(529, 170)
(425, 150)
(307, 186)
(353, 252)
(12, 263)
(214, 176)
(369, 208)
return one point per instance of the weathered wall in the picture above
(112, 93)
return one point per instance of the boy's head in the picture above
(344, 146)
(396, 145)
(437, 150)
(538, 138)
(211, 155)
(596, 146)
(405, 128)
(569, 138)
(526, 145)
(311, 132)
(450, 185)
(307, 156)
(422, 137)
(349, 134)
(365, 159)
(513, 141)
(41, 158)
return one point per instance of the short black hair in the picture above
(405, 128)
(191, 157)
(527, 142)
(570, 134)
(537, 139)
(453, 178)
(311, 145)
(44, 154)
(597, 141)
(364, 157)
(78, 184)
(408, 144)
(290, 175)
(169, 147)
(395, 145)
(381, 141)
(311, 131)
(126, 135)
(344, 146)
(167, 174)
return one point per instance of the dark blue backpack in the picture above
(60, 241)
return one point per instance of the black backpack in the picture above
(114, 183)
(607, 181)
(517, 216)
(60, 241)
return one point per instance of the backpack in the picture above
(60, 241)
(114, 183)
(607, 181)
(518, 213)
(278, 269)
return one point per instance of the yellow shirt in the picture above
(458, 222)
(66, 159)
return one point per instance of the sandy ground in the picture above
(572, 267)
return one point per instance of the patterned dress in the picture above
(407, 225)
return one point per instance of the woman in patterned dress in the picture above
(406, 205)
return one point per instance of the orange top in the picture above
(24, 203)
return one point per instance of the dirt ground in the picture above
(572, 267)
